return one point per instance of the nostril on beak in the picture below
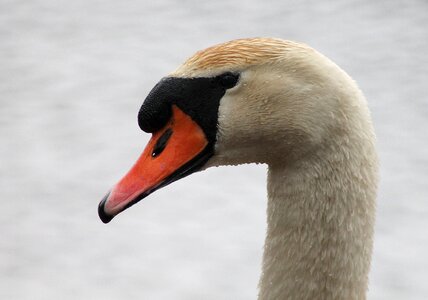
(161, 143)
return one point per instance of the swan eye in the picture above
(228, 80)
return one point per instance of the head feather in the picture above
(236, 54)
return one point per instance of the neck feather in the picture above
(320, 224)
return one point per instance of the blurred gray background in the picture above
(72, 77)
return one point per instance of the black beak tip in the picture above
(105, 218)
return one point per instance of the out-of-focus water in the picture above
(72, 77)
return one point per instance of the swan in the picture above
(280, 103)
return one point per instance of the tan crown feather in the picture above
(236, 53)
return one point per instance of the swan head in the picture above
(259, 100)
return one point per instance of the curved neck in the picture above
(320, 225)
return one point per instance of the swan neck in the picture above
(320, 218)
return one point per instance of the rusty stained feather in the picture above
(236, 53)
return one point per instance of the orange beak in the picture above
(173, 152)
